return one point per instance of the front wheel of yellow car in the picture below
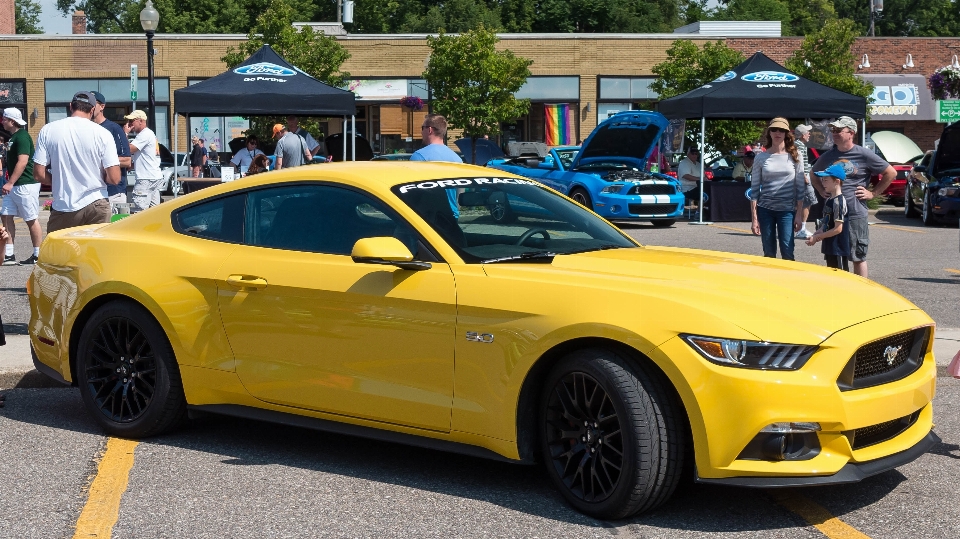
(611, 438)
(127, 372)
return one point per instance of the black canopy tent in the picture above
(264, 85)
(760, 88)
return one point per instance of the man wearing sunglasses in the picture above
(860, 164)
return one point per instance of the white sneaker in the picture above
(804, 234)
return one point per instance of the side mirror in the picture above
(386, 251)
(920, 169)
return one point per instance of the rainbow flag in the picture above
(558, 126)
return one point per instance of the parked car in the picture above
(902, 153)
(608, 172)
(933, 186)
(357, 301)
(171, 185)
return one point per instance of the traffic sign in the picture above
(133, 82)
(948, 111)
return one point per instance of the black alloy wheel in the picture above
(581, 197)
(612, 439)
(126, 372)
(926, 214)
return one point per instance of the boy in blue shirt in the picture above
(835, 237)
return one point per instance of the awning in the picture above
(900, 97)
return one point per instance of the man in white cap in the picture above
(21, 192)
(146, 163)
(79, 159)
(859, 164)
(801, 135)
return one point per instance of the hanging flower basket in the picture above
(944, 83)
(411, 103)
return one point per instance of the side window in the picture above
(319, 219)
(219, 219)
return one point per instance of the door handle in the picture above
(247, 282)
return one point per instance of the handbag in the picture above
(954, 368)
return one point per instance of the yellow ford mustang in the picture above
(437, 305)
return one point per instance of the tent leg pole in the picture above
(353, 130)
(344, 138)
(703, 130)
(176, 153)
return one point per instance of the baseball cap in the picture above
(836, 171)
(99, 97)
(845, 121)
(781, 123)
(14, 114)
(750, 154)
(137, 115)
(802, 129)
(277, 128)
(85, 97)
(693, 149)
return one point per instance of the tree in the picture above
(797, 17)
(688, 67)
(916, 18)
(825, 57)
(473, 83)
(316, 54)
(28, 17)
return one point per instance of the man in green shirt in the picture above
(21, 193)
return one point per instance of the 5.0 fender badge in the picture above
(479, 337)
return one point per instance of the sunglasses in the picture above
(837, 129)
(777, 130)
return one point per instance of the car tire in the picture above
(127, 372)
(663, 223)
(909, 210)
(926, 214)
(617, 420)
(582, 197)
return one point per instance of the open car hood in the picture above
(896, 148)
(948, 151)
(626, 137)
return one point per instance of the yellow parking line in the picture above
(900, 228)
(952, 270)
(747, 230)
(817, 516)
(103, 505)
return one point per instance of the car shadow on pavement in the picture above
(242, 442)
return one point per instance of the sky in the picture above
(51, 20)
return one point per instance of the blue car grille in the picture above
(653, 189)
(652, 209)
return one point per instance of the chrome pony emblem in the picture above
(891, 354)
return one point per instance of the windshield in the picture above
(501, 219)
(566, 157)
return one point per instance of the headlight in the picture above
(949, 192)
(612, 189)
(751, 354)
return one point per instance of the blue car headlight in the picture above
(949, 192)
(751, 354)
(612, 189)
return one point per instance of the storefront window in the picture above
(13, 93)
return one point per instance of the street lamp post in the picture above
(876, 6)
(149, 20)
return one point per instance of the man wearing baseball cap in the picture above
(801, 134)
(21, 192)
(146, 162)
(859, 164)
(79, 159)
(291, 149)
(116, 193)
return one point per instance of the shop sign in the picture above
(899, 97)
(948, 111)
(378, 89)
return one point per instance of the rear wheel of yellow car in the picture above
(127, 372)
(611, 439)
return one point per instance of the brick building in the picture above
(595, 74)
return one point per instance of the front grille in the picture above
(652, 209)
(885, 360)
(653, 189)
(881, 432)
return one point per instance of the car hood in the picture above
(722, 294)
(948, 150)
(627, 137)
(896, 147)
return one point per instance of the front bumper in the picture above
(728, 407)
(948, 207)
(620, 207)
(851, 473)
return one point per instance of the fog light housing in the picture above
(783, 441)
(615, 208)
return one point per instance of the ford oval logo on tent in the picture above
(769, 76)
(729, 75)
(265, 68)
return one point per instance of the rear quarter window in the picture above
(220, 219)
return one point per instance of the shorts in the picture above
(23, 201)
(97, 212)
(859, 239)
